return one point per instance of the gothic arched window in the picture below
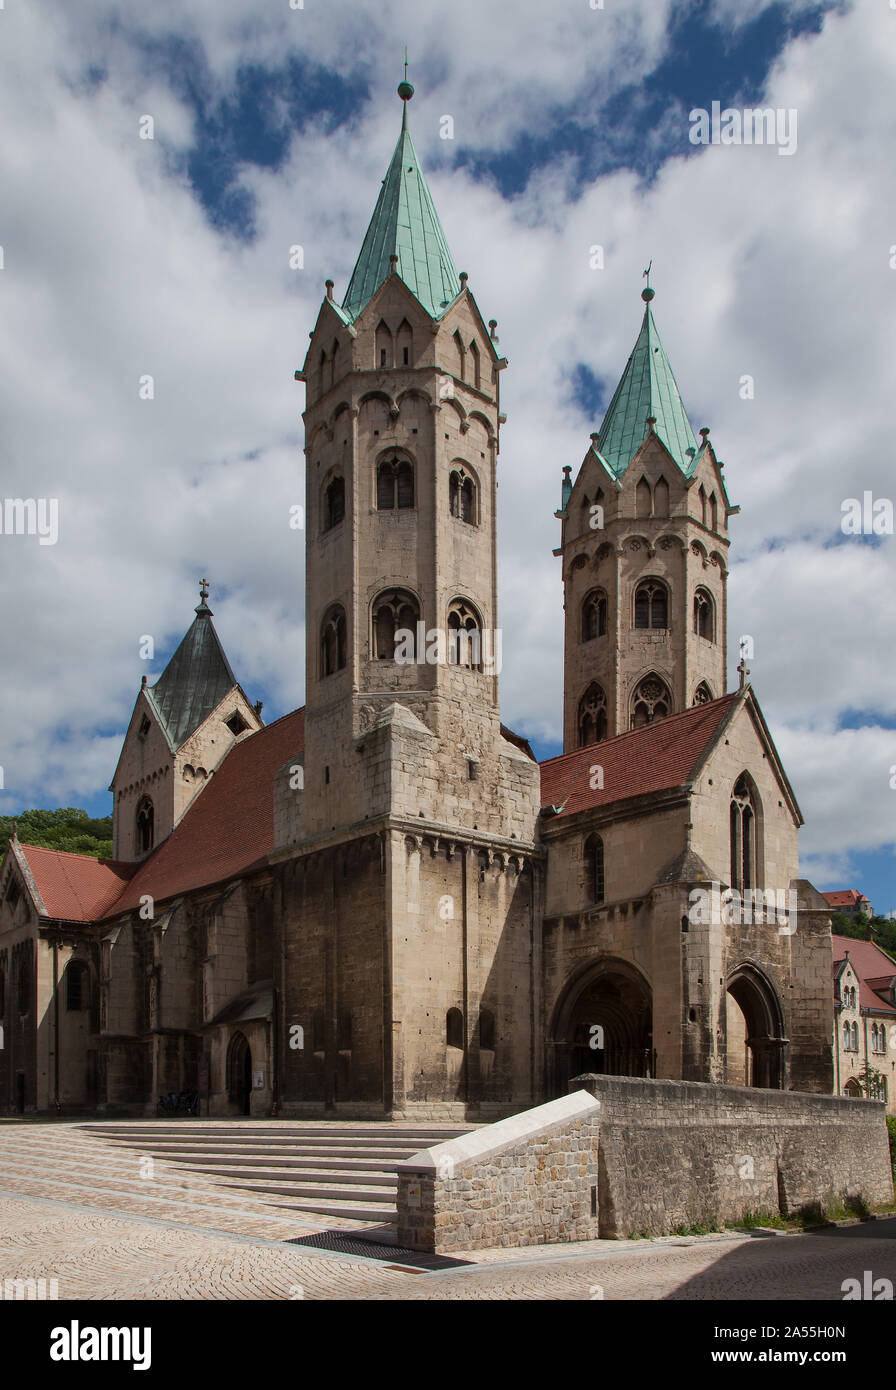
(394, 484)
(475, 367)
(652, 604)
(744, 838)
(592, 715)
(661, 498)
(846, 1037)
(462, 496)
(395, 611)
(464, 635)
(703, 500)
(334, 503)
(332, 641)
(594, 615)
(642, 498)
(703, 694)
(594, 869)
(650, 701)
(704, 615)
(145, 825)
(713, 512)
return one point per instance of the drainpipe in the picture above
(56, 1026)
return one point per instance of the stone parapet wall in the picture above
(527, 1180)
(622, 1157)
(677, 1153)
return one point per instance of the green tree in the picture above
(66, 828)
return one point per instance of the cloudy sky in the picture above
(272, 126)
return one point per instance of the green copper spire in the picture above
(404, 224)
(647, 390)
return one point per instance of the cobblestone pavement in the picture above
(72, 1210)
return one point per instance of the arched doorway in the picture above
(603, 1023)
(239, 1073)
(756, 1040)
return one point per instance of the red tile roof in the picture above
(75, 887)
(846, 897)
(650, 759)
(230, 827)
(869, 963)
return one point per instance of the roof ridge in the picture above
(669, 719)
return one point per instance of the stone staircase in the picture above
(324, 1169)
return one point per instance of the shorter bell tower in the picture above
(644, 548)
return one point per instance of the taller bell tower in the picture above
(644, 548)
(401, 426)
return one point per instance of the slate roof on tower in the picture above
(404, 224)
(194, 682)
(647, 388)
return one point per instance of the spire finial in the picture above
(744, 671)
(647, 294)
(405, 91)
(202, 607)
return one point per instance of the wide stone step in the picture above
(290, 1153)
(274, 1130)
(384, 1214)
(315, 1191)
(239, 1162)
(253, 1176)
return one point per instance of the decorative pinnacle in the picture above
(704, 433)
(647, 294)
(744, 671)
(202, 607)
(405, 90)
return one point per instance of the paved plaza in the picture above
(106, 1224)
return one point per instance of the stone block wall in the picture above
(622, 1157)
(527, 1180)
(675, 1153)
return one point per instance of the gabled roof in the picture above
(194, 682)
(845, 897)
(404, 224)
(71, 887)
(229, 828)
(647, 388)
(655, 758)
(870, 963)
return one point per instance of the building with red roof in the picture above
(381, 904)
(864, 1020)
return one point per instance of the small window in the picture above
(332, 641)
(704, 615)
(77, 987)
(652, 604)
(334, 506)
(464, 636)
(592, 715)
(145, 727)
(145, 825)
(650, 701)
(454, 1028)
(594, 615)
(594, 869)
(462, 496)
(13, 895)
(236, 724)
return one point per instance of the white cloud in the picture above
(777, 267)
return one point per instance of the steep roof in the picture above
(869, 963)
(404, 224)
(230, 826)
(654, 758)
(844, 897)
(194, 682)
(73, 887)
(647, 388)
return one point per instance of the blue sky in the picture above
(274, 127)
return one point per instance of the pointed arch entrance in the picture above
(756, 1038)
(239, 1073)
(603, 1022)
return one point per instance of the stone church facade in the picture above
(381, 904)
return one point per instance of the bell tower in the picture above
(401, 425)
(644, 549)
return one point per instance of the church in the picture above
(381, 904)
